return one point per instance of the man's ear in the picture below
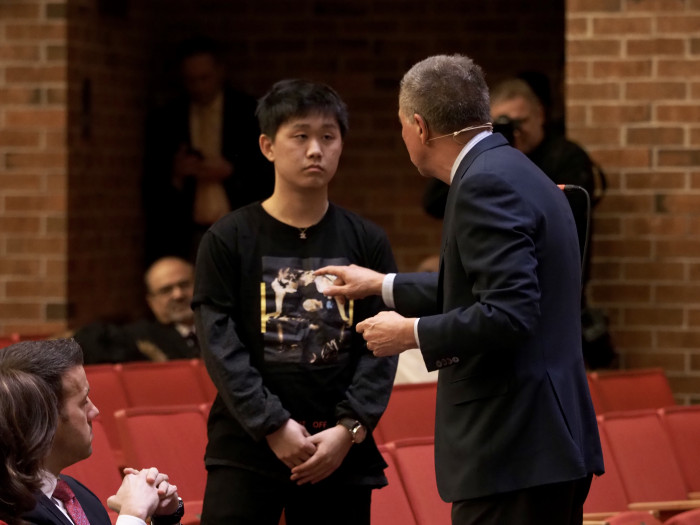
(422, 128)
(267, 147)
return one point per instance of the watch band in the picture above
(170, 519)
(355, 428)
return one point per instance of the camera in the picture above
(506, 126)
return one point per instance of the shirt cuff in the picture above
(388, 290)
(129, 520)
(415, 333)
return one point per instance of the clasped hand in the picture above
(311, 458)
(144, 493)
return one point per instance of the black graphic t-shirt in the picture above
(277, 347)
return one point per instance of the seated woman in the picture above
(25, 440)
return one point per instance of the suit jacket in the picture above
(501, 320)
(47, 513)
(168, 210)
(160, 338)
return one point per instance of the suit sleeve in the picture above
(490, 253)
(416, 294)
(227, 359)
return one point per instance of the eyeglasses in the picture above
(487, 126)
(185, 284)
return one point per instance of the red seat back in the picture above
(207, 384)
(390, 504)
(415, 459)
(682, 423)
(410, 413)
(175, 382)
(690, 517)
(631, 390)
(642, 451)
(607, 493)
(172, 438)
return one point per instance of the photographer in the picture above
(515, 107)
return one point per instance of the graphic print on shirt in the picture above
(299, 324)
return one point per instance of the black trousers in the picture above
(235, 496)
(553, 504)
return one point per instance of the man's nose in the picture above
(94, 411)
(314, 148)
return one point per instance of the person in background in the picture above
(516, 438)
(564, 161)
(171, 334)
(61, 499)
(298, 393)
(201, 156)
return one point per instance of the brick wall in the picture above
(633, 100)
(33, 167)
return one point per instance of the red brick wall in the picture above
(633, 100)
(33, 167)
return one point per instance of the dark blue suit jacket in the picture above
(47, 513)
(501, 321)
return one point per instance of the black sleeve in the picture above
(228, 360)
(368, 394)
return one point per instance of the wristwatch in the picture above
(170, 519)
(357, 430)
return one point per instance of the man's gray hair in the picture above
(448, 91)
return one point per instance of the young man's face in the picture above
(73, 441)
(529, 131)
(306, 151)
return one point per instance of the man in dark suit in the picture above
(202, 158)
(63, 500)
(171, 334)
(516, 438)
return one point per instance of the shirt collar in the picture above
(48, 483)
(469, 145)
(184, 329)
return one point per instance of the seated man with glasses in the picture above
(167, 334)
(170, 335)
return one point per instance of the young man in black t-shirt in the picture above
(299, 393)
